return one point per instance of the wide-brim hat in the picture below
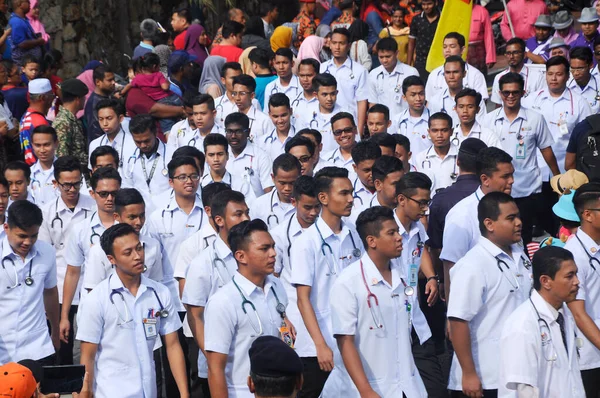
(565, 209)
(543, 21)
(588, 15)
(562, 20)
(557, 42)
(571, 179)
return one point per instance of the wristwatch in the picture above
(436, 277)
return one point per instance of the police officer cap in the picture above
(74, 88)
(271, 357)
(472, 146)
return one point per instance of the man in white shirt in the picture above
(439, 160)
(120, 320)
(318, 256)
(245, 158)
(354, 90)
(344, 131)
(276, 206)
(307, 70)
(303, 149)
(364, 155)
(539, 344)
(225, 104)
(413, 122)
(18, 176)
(44, 143)
(230, 327)
(286, 83)
(582, 81)
(385, 81)
(467, 107)
(488, 284)
(203, 115)
(317, 139)
(387, 172)
(183, 131)
(454, 44)
(444, 100)
(283, 131)
(61, 217)
(104, 156)
(244, 87)
(27, 289)
(378, 120)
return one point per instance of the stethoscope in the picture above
(148, 179)
(28, 280)
(258, 328)
(122, 144)
(58, 219)
(297, 100)
(287, 235)
(275, 88)
(223, 180)
(514, 282)
(597, 97)
(181, 133)
(453, 175)
(169, 232)
(545, 335)
(313, 120)
(456, 141)
(373, 301)
(591, 259)
(405, 122)
(570, 99)
(354, 192)
(351, 67)
(216, 262)
(271, 138)
(272, 212)
(162, 312)
(94, 233)
(382, 86)
(220, 106)
(355, 251)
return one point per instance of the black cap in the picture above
(36, 369)
(271, 357)
(74, 87)
(472, 146)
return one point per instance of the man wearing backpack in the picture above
(583, 150)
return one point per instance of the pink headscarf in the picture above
(36, 24)
(310, 48)
(87, 77)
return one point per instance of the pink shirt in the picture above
(150, 85)
(481, 31)
(523, 14)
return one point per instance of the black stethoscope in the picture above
(122, 144)
(272, 212)
(354, 192)
(351, 67)
(597, 97)
(456, 141)
(514, 283)
(28, 280)
(545, 335)
(148, 179)
(297, 100)
(271, 138)
(58, 219)
(287, 235)
(453, 175)
(444, 105)
(94, 233)
(275, 88)
(355, 250)
(591, 259)
(223, 180)
(162, 312)
(171, 211)
(313, 120)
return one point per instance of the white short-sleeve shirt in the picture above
(461, 229)
(41, 186)
(474, 79)
(292, 90)
(352, 82)
(254, 166)
(533, 79)
(271, 209)
(192, 247)
(589, 92)
(123, 144)
(386, 87)
(313, 118)
(272, 145)
(415, 129)
(236, 182)
(361, 193)
(441, 171)
(442, 101)
(487, 135)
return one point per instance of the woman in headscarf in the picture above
(282, 38)
(359, 51)
(254, 34)
(311, 48)
(210, 81)
(34, 20)
(164, 52)
(197, 42)
(245, 62)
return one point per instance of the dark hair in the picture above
(365, 150)
(370, 222)
(219, 202)
(467, 160)
(260, 56)
(279, 99)
(582, 53)
(323, 80)
(230, 65)
(255, 26)
(411, 81)
(109, 236)
(100, 72)
(558, 60)
(299, 140)
(312, 62)
(468, 92)
(488, 160)
(184, 13)
(216, 139)
(304, 185)
(192, 152)
(585, 195)
(387, 44)
(126, 197)
(112, 103)
(23, 214)
(30, 59)
(313, 133)
(403, 141)
(139, 124)
(211, 190)
(343, 115)
(489, 207)
(518, 41)
(104, 173)
(511, 77)
(3, 182)
(457, 36)
(440, 116)
(380, 108)
(188, 97)
(240, 234)
(266, 7)
(104, 150)
(231, 28)
(270, 386)
(66, 164)
(149, 61)
(203, 99)
(44, 129)
(342, 31)
(286, 162)
(324, 177)
(548, 261)
(359, 30)
(179, 161)
(238, 118)
(245, 80)
(384, 140)
(16, 165)
(285, 52)
(149, 29)
(456, 58)
(410, 182)
(385, 166)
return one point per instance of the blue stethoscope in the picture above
(169, 232)
(354, 192)
(136, 154)
(58, 219)
(162, 311)
(355, 251)
(514, 283)
(28, 280)
(453, 175)
(218, 264)
(105, 137)
(275, 88)
(223, 180)
(351, 67)
(271, 138)
(94, 233)
(591, 259)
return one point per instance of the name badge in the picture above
(521, 151)
(563, 129)
(150, 328)
(414, 275)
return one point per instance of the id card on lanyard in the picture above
(415, 262)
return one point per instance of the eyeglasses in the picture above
(581, 69)
(423, 204)
(347, 130)
(512, 53)
(67, 186)
(240, 93)
(236, 132)
(185, 177)
(304, 159)
(104, 194)
(507, 93)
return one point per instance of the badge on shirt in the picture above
(414, 275)
(150, 328)
(563, 129)
(521, 151)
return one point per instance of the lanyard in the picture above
(149, 178)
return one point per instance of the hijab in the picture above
(211, 73)
(245, 61)
(192, 46)
(164, 52)
(310, 48)
(36, 24)
(281, 38)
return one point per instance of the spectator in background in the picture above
(34, 20)
(311, 48)
(52, 62)
(31, 68)
(164, 52)
(234, 14)
(104, 86)
(210, 82)
(196, 43)
(14, 91)
(359, 50)
(6, 30)
(589, 29)
(229, 47)
(180, 72)
(331, 15)
(148, 32)
(563, 24)
(269, 13)
(282, 37)
(71, 137)
(254, 34)
(10, 148)
(23, 39)
(537, 51)
(180, 21)
(523, 14)
(398, 31)
(422, 30)
(557, 47)
(377, 15)
(261, 67)
(482, 48)
(40, 100)
(347, 16)
(306, 20)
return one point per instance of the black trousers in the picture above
(545, 217)
(591, 382)
(169, 380)
(196, 384)
(429, 366)
(486, 394)
(314, 378)
(65, 352)
(528, 208)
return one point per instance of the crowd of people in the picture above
(302, 209)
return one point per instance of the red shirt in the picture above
(179, 41)
(230, 53)
(138, 103)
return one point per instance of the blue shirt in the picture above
(16, 98)
(142, 49)
(581, 41)
(532, 44)
(261, 83)
(331, 15)
(21, 29)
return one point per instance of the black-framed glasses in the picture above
(185, 177)
(508, 93)
(347, 130)
(236, 131)
(511, 53)
(423, 204)
(67, 186)
(104, 194)
(303, 159)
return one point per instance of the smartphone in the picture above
(63, 380)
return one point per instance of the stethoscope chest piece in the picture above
(145, 268)
(29, 281)
(409, 291)
(165, 172)
(162, 314)
(356, 252)
(453, 176)
(280, 308)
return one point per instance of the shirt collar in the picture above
(501, 115)
(544, 309)
(37, 167)
(326, 232)
(95, 220)
(81, 205)
(424, 116)
(115, 283)
(495, 251)
(148, 46)
(221, 249)
(431, 153)
(248, 151)
(373, 276)
(475, 129)
(359, 186)
(172, 205)
(588, 244)
(414, 227)
(7, 251)
(248, 287)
